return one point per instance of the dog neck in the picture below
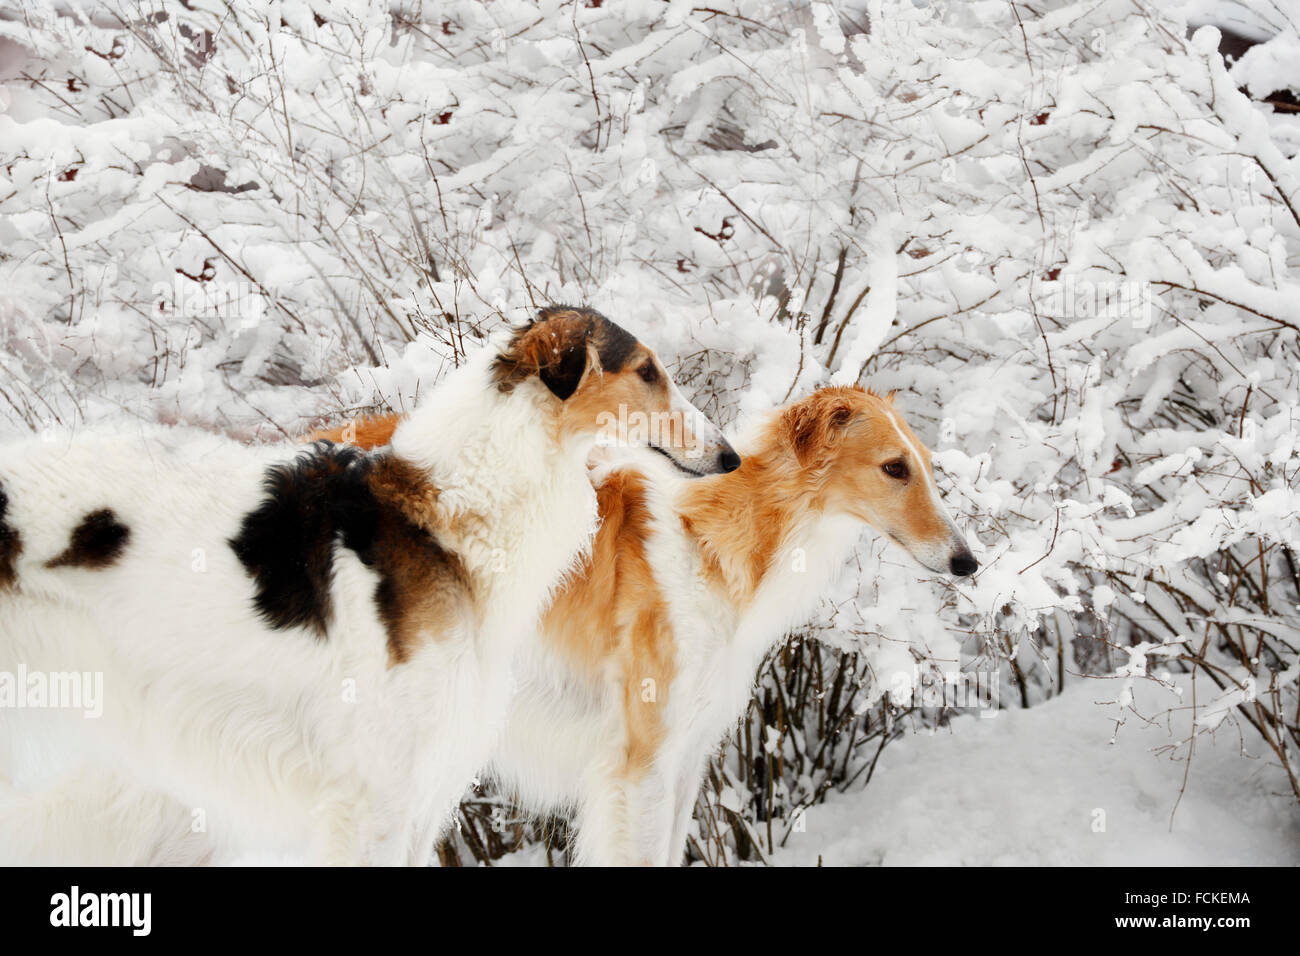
(765, 537)
(513, 499)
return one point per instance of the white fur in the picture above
(274, 739)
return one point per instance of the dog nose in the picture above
(728, 460)
(963, 564)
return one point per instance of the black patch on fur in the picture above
(563, 377)
(320, 499)
(287, 544)
(96, 542)
(614, 346)
(11, 545)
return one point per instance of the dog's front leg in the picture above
(686, 793)
(357, 832)
(650, 810)
(420, 845)
(602, 837)
(96, 817)
(625, 822)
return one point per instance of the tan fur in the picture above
(424, 590)
(603, 392)
(613, 612)
(370, 432)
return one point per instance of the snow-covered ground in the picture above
(1046, 787)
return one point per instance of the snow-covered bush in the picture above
(1057, 228)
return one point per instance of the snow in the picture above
(882, 301)
(1073, 250)
(1043, 787)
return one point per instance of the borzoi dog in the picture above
(312, 650)
(648, 657)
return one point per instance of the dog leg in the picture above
(421, 842)
(625, 823)
(345, 833)
(603, 826)
(650, 813)
(599, 840)
(96, 817)
(686, 793)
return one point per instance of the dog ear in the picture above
(813, 427)
(555, 349)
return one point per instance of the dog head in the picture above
(866, 462)
(611, 388)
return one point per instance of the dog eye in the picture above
(649, 374)
(895, 469)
